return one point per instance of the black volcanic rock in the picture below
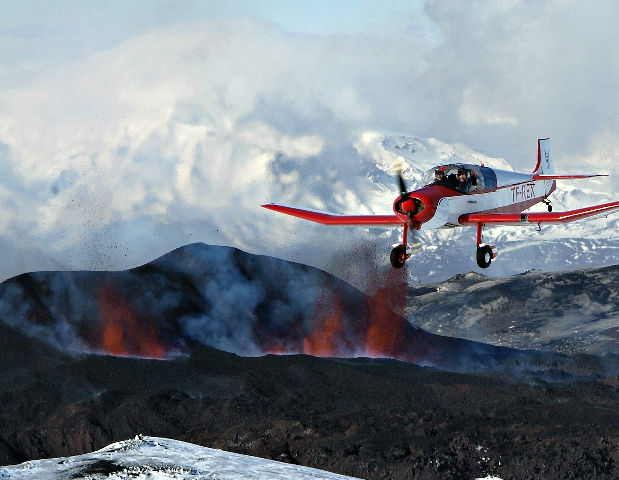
(371, 418)
(363, 417)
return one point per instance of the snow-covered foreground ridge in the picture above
(161, 458)
(156, 458)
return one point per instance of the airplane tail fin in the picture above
(544, 160)
(544, 165)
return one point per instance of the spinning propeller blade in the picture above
(401, 183)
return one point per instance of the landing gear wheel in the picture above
(484, 256)
(547, 202)
(398, 256)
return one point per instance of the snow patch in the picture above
(162, 459)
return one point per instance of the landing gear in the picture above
(484, 256)
(398, 256)
(401, 253)
(547, 202)
(485, 253)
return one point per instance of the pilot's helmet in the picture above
(461, 171)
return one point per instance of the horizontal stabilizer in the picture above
(565, 177)
(537, 217)
(334, 219)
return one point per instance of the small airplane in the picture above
(458, 194)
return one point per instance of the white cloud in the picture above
(181, 133)
(517, 71)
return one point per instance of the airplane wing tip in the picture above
(273, 206)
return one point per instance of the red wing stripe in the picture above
(537, 217)
(333, 219)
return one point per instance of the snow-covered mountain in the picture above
(153, 458)
(84, 223)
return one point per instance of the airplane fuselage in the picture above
(440, 206)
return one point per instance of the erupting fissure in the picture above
(123, 332)
(387, 326)
(375, 327)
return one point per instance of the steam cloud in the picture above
(179, 134)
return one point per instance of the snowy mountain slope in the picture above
(212, 181)
(161, 459)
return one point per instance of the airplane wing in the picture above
(334, 219)
(537, 217)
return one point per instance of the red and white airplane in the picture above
(457, 195)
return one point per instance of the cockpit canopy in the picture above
(476, 178)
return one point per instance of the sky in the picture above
(131, 128)
(37, 30)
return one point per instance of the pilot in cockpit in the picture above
(463, 182)
(439, 177)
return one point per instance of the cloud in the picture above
(514, 71)
(179, 134)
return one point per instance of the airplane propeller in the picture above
(403, 251)
(401, 183)
(406, 204)
(404, 194)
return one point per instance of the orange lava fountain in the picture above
(123, 334)
(372, 325)
(326, 338)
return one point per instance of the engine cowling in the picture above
(414, 207)
(420, 206)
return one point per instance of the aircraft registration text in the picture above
(523, 192)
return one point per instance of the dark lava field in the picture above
(268, 358)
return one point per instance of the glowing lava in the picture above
(123, 333)
(326, 339)
(343, 325)
(386, 330)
